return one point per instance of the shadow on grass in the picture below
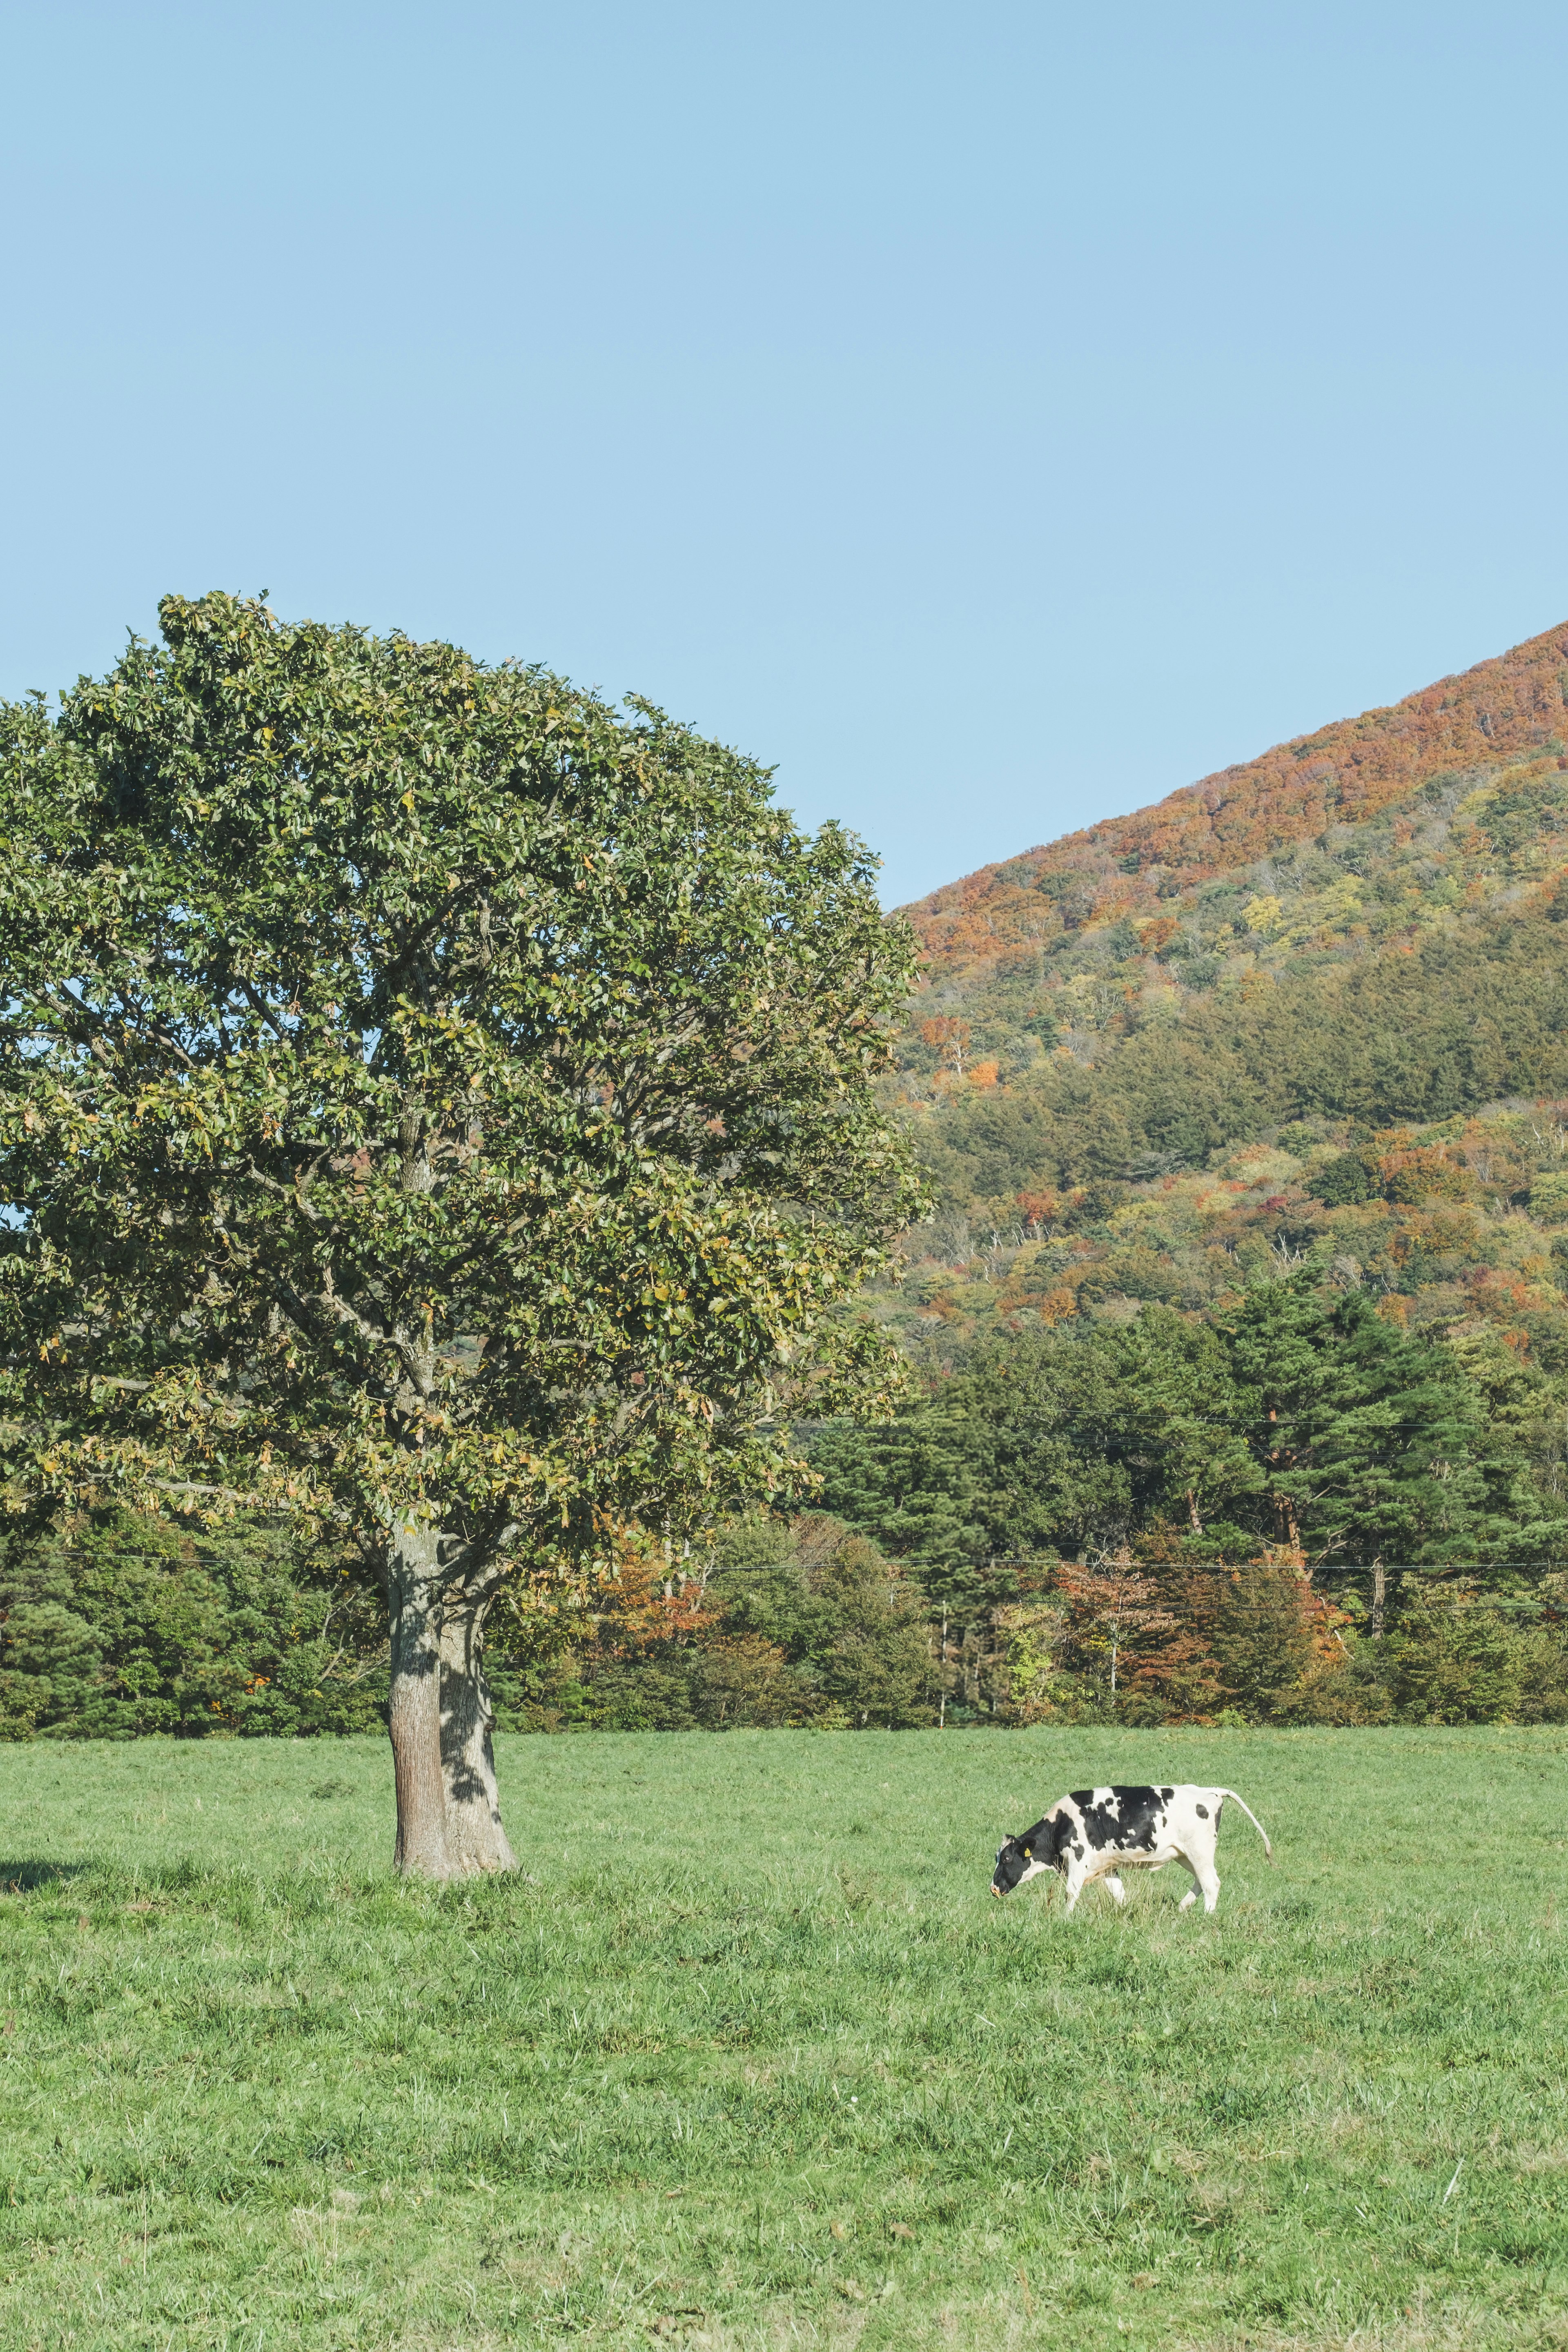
(22, 1877)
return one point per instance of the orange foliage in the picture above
(1322, 1619)
(1453, 1233)
(949, 1035)
(1039, 1208)
(646, 1601)
(1122, 1630)
(1341, 774)
(1412, 1176)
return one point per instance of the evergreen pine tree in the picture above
(1369, 1441)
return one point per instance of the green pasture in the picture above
(750, 2058)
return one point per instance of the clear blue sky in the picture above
(995, 416)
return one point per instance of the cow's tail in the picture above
(1252, 1817)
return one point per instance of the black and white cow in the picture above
(1099, 1833)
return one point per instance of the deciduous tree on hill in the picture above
(430, 1103)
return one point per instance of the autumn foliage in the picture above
(1341, 774)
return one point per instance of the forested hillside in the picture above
(1349, 1052)
(1403, 763)
(1247, 1117)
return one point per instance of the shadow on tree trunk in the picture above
(440, 1717)
(476, 1840)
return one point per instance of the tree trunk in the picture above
(1379, 1592)
(414, 1717)
(474, 1833)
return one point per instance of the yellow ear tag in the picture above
(1028, 1853)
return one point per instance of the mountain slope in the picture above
(1502, 710)
(1313, 1012)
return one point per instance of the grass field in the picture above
(750, 2057)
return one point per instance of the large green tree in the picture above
(431, 1102)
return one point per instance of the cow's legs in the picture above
(1075, 1882)
(1198, 1862)
(1207, 1882)
(1114, 1886)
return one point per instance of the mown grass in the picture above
(750, 2058)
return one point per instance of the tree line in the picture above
(122, 1628)
(1297, 1417)
(1109, 1523)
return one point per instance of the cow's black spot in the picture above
(1128, 1817)
(1167, 1794)
(1201, 1812)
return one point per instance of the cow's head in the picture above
(1020, 1857)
